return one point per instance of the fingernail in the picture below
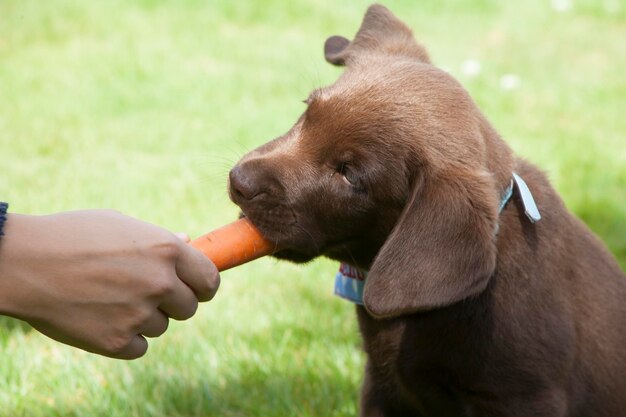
(183, 236)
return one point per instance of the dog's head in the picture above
(392, 169)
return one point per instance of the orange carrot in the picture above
(234, 244)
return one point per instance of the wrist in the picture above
(14, 253)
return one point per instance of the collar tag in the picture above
(530, 207)
(349, 283)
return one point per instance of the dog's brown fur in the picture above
(468, 312)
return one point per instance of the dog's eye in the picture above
(348, 175)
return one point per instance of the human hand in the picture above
(99, 280)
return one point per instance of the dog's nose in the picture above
(243, 183)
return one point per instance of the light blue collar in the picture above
(350, 281)
(506, 197)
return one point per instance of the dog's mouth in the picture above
(296, 244)
(293, 242)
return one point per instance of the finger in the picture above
(180, 303)
(137, 347)
(198, 272)
(156, 325)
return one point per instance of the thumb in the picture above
(198, 272)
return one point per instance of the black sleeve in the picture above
(3, 215)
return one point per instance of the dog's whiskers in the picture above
(315, 245)
(349, 252)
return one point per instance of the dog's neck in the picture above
(499, 158)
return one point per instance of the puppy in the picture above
(482, 295)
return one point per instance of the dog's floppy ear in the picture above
(380, 32)
(442, 249)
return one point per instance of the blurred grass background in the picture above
(144, 106)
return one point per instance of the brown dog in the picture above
(470, 309)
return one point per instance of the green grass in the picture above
(143, 107)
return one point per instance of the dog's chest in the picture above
(421, 361)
